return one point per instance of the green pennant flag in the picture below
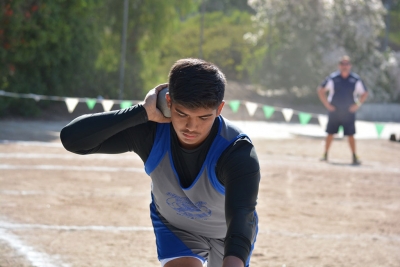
(234, 104)
(304, 117)
(90, 103)
(379, 128)
(268, 111)
(126, 104)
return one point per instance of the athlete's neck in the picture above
(345, 74)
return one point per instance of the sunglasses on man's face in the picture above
(344, 63)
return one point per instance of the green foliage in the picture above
(73, 47)
(149, 26)
(304, 39)
(223, 43)
(46, 48)
(394, 25)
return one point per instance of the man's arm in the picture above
(239, 170)
(322, 96)
(232, 261)
(353, 108)
(362, 93)
(112, 132)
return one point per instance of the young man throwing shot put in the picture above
(204, 170)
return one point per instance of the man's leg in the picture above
(328, 142)
(352, 143)
(184, 262)
(331, 128)
(177, 247)
(350, 130)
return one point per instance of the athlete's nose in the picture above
(190, 124)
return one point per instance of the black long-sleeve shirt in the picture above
(129, 130)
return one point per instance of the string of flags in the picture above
(72, 102)
(107, 104)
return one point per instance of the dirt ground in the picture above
(61, 209)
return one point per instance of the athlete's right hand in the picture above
(149, 103)
(330, 107)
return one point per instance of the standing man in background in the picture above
(346, 94)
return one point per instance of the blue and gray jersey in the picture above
(200, 208)
(343, 91)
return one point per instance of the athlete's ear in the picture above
(220, 107)
(168, 98)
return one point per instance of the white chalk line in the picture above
(334, 236)
(70, 156)
(31, 143)
(70, 168)
(315, 165)
(63, 193)
(305, 162)
(40, 259)
(37, 259)
(100, 228)
(17, 226)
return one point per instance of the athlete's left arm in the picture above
(361, 94)
(238, 169)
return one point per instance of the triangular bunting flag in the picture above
(323, 121)
(251, 108)
(125, 104)
(234, 104)
(71, 103)
(287, 113)
(35, 96)
(379, 128)
(90, 102)
(304, 118)
(107, 104)
(268, 111)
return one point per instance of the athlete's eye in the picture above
(181, 114)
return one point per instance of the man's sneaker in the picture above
(324, 157)
(356, 160)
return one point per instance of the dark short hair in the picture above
(196, 83)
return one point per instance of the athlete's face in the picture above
(192, 126)
(345, 67)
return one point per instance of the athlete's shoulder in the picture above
(355, 76)
(228, 129)
(334, 74)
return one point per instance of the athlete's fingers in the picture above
(159, 87)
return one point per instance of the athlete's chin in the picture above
(190, 141)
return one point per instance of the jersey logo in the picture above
(184, 207)
(352, 80)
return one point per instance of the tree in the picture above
(304, 39)
(46, 48)
(223, 42)
(150, 24)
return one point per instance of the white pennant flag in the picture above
(287, 113)
(323, 121)
(107, 104)
(71, 103)
(251, 108)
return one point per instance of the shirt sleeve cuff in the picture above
(238, 247)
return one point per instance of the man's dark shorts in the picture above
(339, 118)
